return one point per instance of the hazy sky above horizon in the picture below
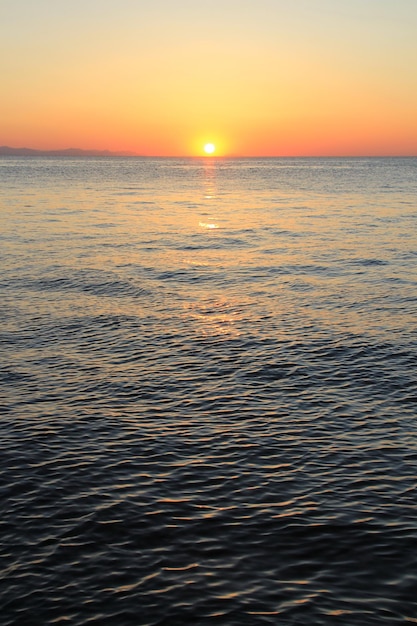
(256, 77)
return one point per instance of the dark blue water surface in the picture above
(208, 392)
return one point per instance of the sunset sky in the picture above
(253, 77)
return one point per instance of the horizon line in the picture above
(105, 153)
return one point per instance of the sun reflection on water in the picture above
(209, 225)
(209, 180)
(217, 317)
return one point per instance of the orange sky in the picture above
(255, 77)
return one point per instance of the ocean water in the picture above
(208, 392)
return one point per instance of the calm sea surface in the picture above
(208, 392)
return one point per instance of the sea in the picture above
(208, 391)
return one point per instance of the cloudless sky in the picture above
(255, 77)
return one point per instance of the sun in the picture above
(209, 148)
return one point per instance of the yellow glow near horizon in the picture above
(209, 148)
(212, 143)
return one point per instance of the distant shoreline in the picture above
(70, 152)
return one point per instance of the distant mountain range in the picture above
(70, 152)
